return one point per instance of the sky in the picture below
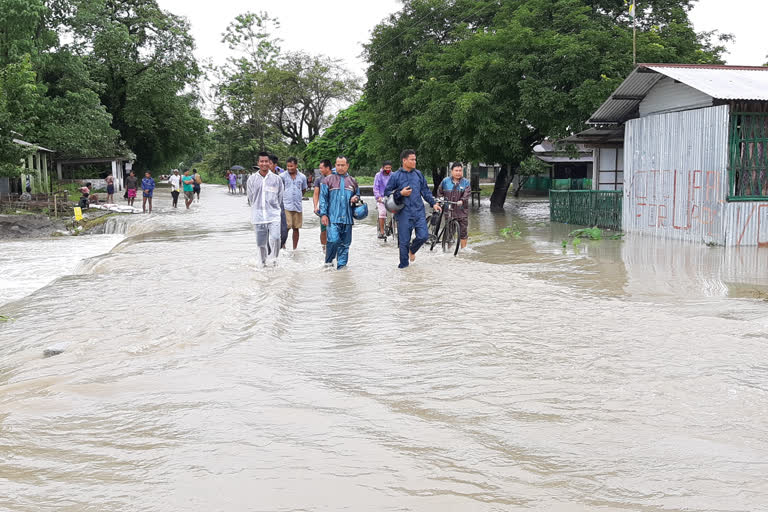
(338, 28)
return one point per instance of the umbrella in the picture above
(237, 168)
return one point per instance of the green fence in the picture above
(600, 208)
(546, 183)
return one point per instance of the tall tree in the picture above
(304, 89)
(489, 79)
(143, 57)
(46, 93)
(348, 136)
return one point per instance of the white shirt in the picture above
(175, 182)
(266, 196)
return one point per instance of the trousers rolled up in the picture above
(339, 240)
(268, 240)
(406, 225)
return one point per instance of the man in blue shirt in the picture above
(295, 186)
(338, 193)
(409, 186)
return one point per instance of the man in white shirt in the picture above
(175, 182)
(265, 194)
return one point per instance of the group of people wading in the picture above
(275, 199)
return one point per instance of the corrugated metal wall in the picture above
(670, 96)
(747, 224)
(675, 175)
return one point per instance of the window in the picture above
(748, 144)
(611, 169)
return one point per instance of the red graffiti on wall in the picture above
(693, 197)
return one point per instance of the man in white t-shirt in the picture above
(175, 182)
(265, 195)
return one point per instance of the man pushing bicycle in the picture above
(457, 188)
(408, 186)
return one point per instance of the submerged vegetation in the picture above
(594, 233)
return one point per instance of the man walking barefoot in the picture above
(295, 184)
(175, 182)
(325, 170)
(265, 194)
(379, 185)
(189, 188)
(409, 186)
(338, 195)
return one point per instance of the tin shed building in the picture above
(695, 152)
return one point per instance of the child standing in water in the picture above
(148, 186)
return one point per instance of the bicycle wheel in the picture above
(456, 235)
(450, 234)
(435, 239)
(394, 232)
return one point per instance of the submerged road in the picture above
(614, 376)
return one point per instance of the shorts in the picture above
(196, 189)
(323, 229)
(110, 189)
(148, 193)
(189, 195)
(131, 193)
(463, 225)
(294, 220)
(382, 210)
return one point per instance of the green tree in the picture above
(489, 79)
(348, 135)
(19, 103)
(46, 93)
(303, 90)
(143, 58)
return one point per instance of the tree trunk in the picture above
(501, 188)
(438, 175)
(522, 181)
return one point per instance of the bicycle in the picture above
(390, 228)
(449, 236)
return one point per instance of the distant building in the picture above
(36, 175)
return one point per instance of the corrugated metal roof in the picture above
(720, 82)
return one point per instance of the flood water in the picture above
(613, 376)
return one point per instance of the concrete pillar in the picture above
(59, 170)
(595, 169)
(115, 171)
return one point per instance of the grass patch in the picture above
(5, 319)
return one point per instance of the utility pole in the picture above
(634, 33)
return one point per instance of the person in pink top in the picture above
(379, 184)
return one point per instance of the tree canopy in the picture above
(486, 80)
(122, 81)
(270, 100)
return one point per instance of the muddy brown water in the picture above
(613, 376)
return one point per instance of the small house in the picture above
(688, 145)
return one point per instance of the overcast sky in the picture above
(338, 28)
